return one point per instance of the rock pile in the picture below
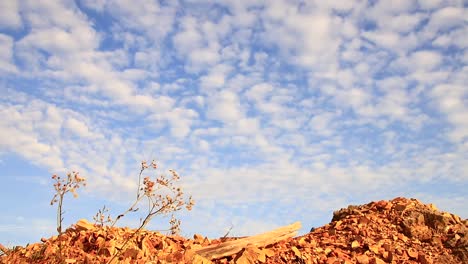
(397, 231)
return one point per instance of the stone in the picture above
(424, 259)
(377, 260)
(83, 225)
(362, 259)
(395, 231)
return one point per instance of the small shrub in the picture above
(101, 218)
(162, 195)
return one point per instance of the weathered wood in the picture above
(262, 240)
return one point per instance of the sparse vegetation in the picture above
(388, 232)
(101, 218)
(62, 186)
(162, 195)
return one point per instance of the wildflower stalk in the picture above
(158, 203)
(63, 186)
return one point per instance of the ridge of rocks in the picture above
(397, 231)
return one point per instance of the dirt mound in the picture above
(397, 231)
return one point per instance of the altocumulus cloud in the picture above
(271, 112)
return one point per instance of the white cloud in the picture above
(164, 103)
(401, 23)
(77, 127)
(260, 104)
(181, 121)
(355, 97)
(247, 126)
(451, 100)
(213, 31)
(465, 57)
(321, 123)
(296, 35)
(425, 60)
(194, 45)
(151, 17)
(9, 14)
(147, 59)
(212, 80)
(204, 145)
(189, 38)
(258, 92)
(395, 7)
(21, 122)
(385, 39)
(224, 106)
(455, 37)
(216, 78)
(340, 6)
(447, 18)
(394, 104)
(203, 57)
(244, 13)
(57, 40)
(42, 15)
(6, 54)
(430, 4)
(134, 74)
(72, 41)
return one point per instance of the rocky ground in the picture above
(397, 231)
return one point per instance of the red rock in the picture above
(424, 259)
(362, 259)
(374, 249)
(402, 237)
(355, 244)
(396, 231)
(376, 260)
(381, 204)
(412, 253)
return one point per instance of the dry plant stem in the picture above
(61, 186)
(100, 217)
(138, 197)
(130, 209)
(227, 233)
(141, 227)
(3, 250)
(139, 180)
(157, 203)
(60, 213)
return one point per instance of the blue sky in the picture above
(271, 111)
